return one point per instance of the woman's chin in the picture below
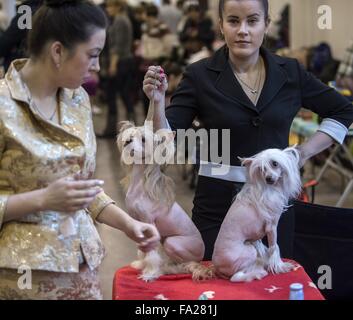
(243, 53)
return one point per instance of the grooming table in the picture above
(127, 286)
(305, 129)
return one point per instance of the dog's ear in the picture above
(123, 125)
(246, 162)
(294, 152)
(123, 134)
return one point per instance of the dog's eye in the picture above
(127, 142)
(275, 164)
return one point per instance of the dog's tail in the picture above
(199, 271)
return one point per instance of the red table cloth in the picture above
(127, 286)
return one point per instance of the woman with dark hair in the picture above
(48, 198)
(255, 94)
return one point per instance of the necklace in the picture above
(35, 105)
(257, 83)
(258, 89)
(41, 113)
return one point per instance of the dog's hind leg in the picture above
(184, 248)
(236, 263)
(254, 272)
(256, 269)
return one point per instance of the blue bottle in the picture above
(296, 291)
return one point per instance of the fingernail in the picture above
(100, 182)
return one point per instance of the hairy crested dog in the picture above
(239, 254)
(150, 198)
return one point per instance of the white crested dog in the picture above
(239, 254)
(150, 198)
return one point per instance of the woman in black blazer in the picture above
(254, 93)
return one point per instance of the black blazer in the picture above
(210, 91)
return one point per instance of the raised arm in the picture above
(155, 86)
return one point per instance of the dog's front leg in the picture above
(275, 263)
(139, 263)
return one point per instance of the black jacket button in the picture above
(256, 121)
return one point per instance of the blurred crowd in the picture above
(172, 35)
(144, 35)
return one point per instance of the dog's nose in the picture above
(269, 180)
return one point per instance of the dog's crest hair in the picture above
(289, 184)
(158, 185)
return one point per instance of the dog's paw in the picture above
(148, 277)
(287, 267)
(283, 267)
(261, 274)
(240, 276)
(137, 264)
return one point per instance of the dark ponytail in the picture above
(68, 21)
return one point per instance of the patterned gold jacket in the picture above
(33, 153)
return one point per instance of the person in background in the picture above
(49, 199)
(345, 70)
(155, 45)
(120, 65)
(197, 32)
(3, 20)
(13, 40)
(170, 15)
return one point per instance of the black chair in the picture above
(324, 236)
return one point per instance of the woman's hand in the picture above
(155, 84)
(146, 235)
(69, 195)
